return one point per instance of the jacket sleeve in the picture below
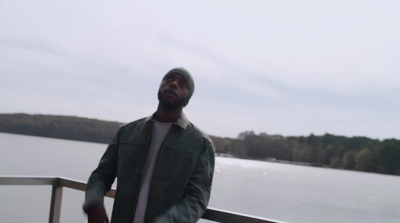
(197, 193)
(102, 178)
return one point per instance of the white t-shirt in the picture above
(160, 131)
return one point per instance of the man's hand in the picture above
(97, 214)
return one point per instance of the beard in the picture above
(171, 106)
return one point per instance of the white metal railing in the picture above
(58, 183)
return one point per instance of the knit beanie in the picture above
(186, 74)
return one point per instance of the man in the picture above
(163, 163)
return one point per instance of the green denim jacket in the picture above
(181, 182)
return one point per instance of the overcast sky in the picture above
(281, 67)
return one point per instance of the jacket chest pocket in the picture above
(175, 164)
(178, 150)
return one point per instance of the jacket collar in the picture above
(182, 121)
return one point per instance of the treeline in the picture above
(62, 127)
(351, 153)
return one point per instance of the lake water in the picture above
(284, 192)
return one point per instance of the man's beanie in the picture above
(185, 73)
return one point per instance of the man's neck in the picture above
(163, 115)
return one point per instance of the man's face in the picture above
(174, 92)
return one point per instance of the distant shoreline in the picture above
(331, 151)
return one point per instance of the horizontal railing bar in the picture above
(74, 184)
(227, 216)
(80, 185)
(210, 214)
(24, 180)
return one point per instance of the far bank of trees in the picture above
(62, 127)
(352, 153)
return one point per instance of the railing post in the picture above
(55, 205)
